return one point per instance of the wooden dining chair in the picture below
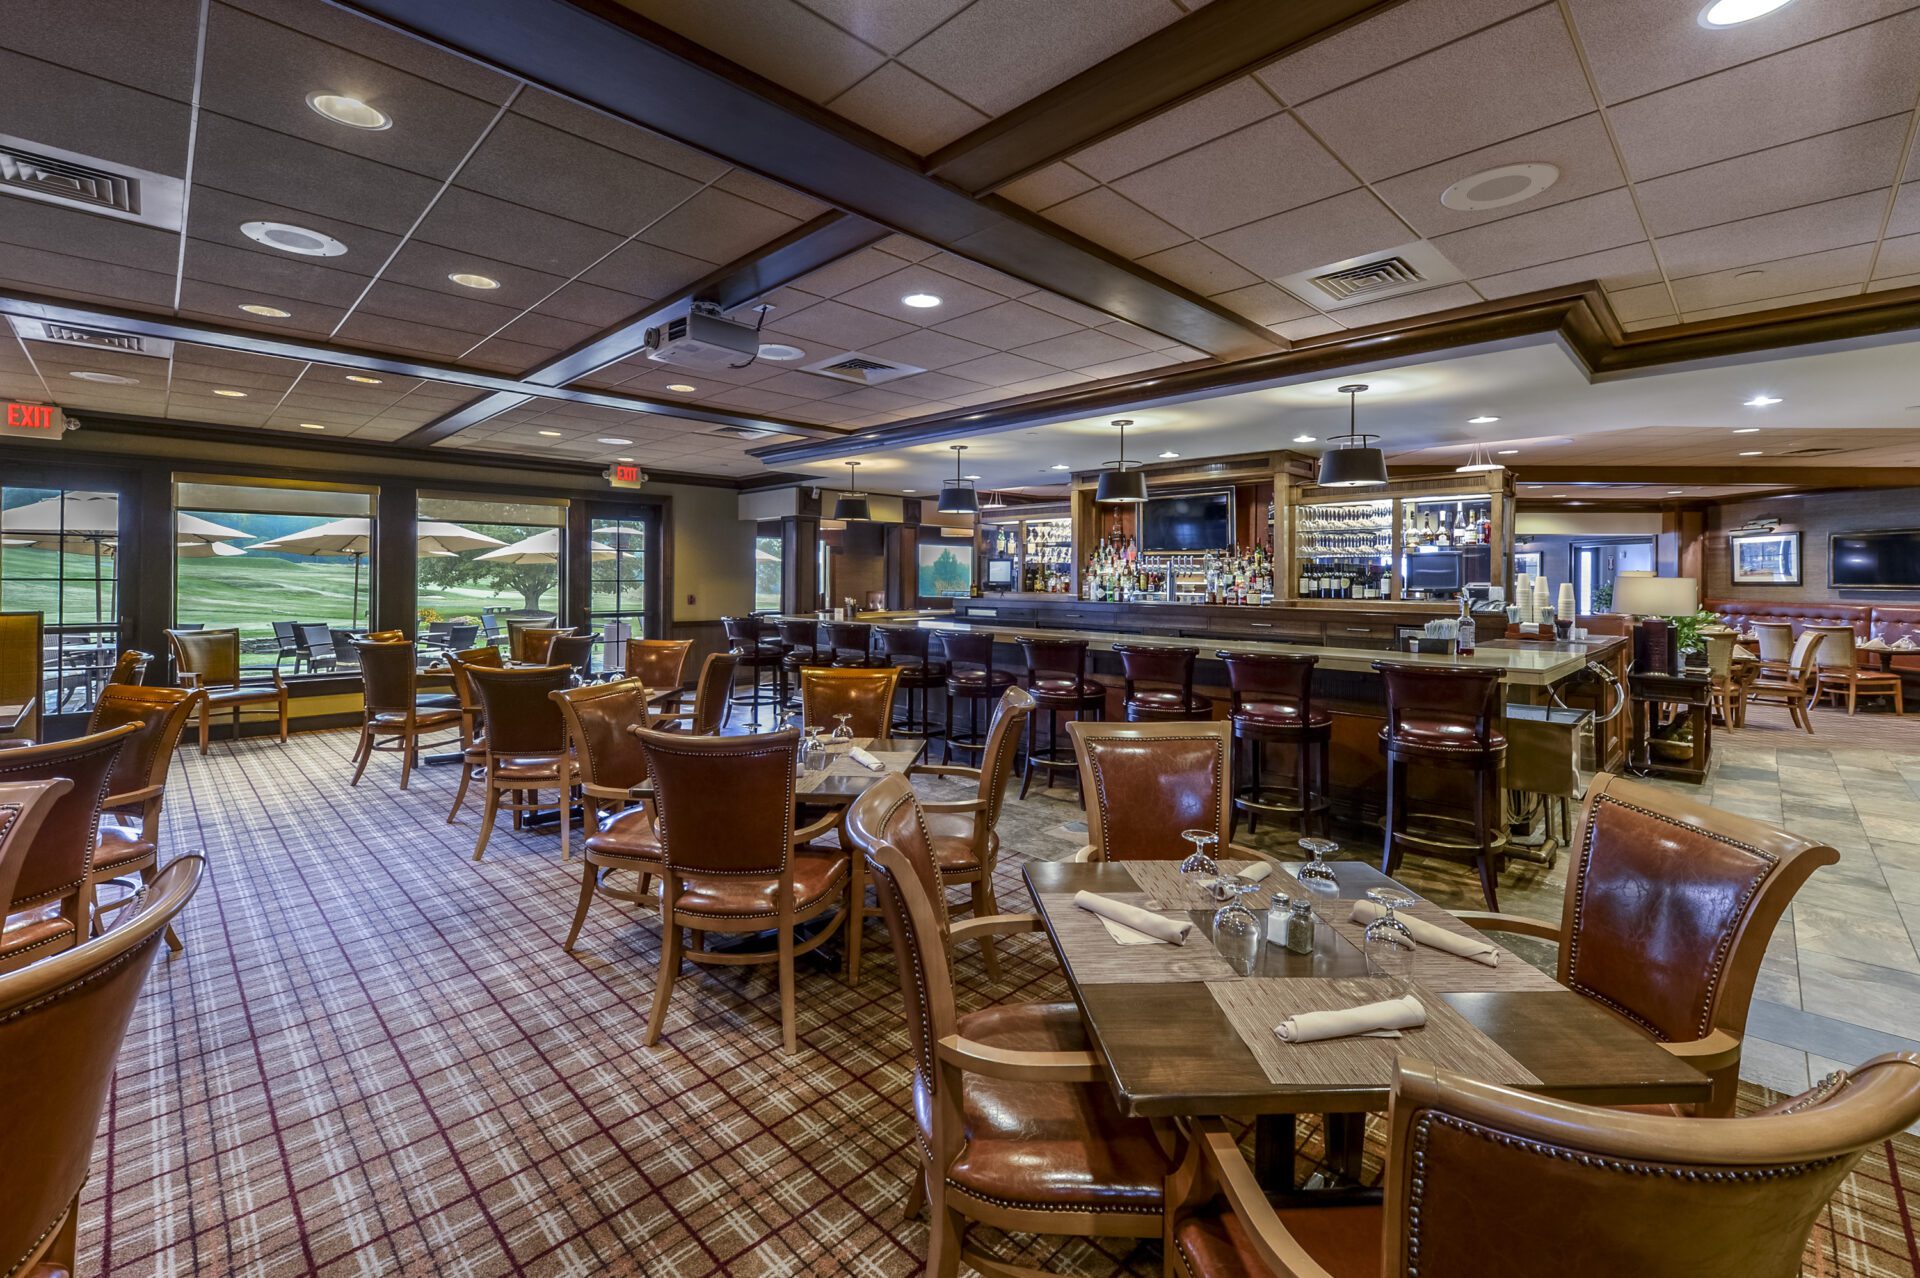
(572, 650)
(732, 860)
(711, 694)
(1728, 693)
(1669, 907)
(1143, 783)
(24, 806)
(530, 642)
(1016, 1126)
(129, 835)
(131, 667)
(964, 834)
(1582, 1192)
(48, 912)
(609, 761)
(392, 719)
(661, 664)
(473, 754)
(1842, 675)
(62, 1022)
(209, 661)
(864, 693)
(1796, 685)
(525, 747)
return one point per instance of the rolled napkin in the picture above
(866, 760)
(1256, 872)
(1133, 918)
(1372, 1020)
(1425, 933)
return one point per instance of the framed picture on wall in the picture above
(946, 567)
(1526, 563)
(1764, 558)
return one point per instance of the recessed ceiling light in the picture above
(781, 351)
(551, 434)
(909, 490)
(1748, 430)
(231, 394)
(614, 440)
(107, 379)
(1761, 401)
(920, 301)
(311, 426)
(1675, 492)
(351, 112)
(1059, 466)
(1303, 439)
(625, 459)
(466, 279)
(1752, 453)
(1169, 453)
(1482, 420)
(270, 312)
(1731, 13)
(292, 239)
(1497, 188)
(364, 381)
(1509, 452)
(682, 387)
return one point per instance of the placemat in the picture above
(1097, 959)
(1448, 1040)
(1168, 889)
(843, 766)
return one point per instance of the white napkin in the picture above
(1873, 643)
(1904, 642)
(1132, 918)
(1256, 872)
(866, 760)
(1467, 947)
(1373, 1020)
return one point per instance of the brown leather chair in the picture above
(59, 862)
(610, 761)
(733, 861)
(1445, 717)
(1159, 684)
(800, 647)
(1273, 705)
(391, 718)
(964, 835)
(661, 664)
(972, 678)
(62, 1022)
(529, 643)
(1143, 783)
(131, 667)
(1841, 674)
(908, 649)
(572, 650)
(755, 651)
(866, 695)
(1057, 678)
(209, 661)
(24, 806)
(129, 837)
(1015, 1123)
(473, 754)
(849, 642)
(710, 698)
(525, 748)
(1796, 685)
(1670, 905)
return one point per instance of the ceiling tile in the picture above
(996, 54)
(1861, 75)
(798, 385)
(298, 174)
(146, 46)
(373, 331)
(476, 223)
(1628, 266)
(1773, 303)
(1000, 369)
(874, 399)
(1145, 339)
(1831, 269)
(851, 271)
(617, 135)
(1266, 168)
(104, 239)
(1396, 308)
(1074, 312)
(752, 186)
(215, 217)
(592, 305)
(1439, 105)
(1906, 211)
(1845, 162)
(1330, 231)
(887, 25)
(1106, 217)
(1044, 188)
(928, 349)
(1852, 220)
(1401, 32)
(883, 296)
(964, 268)
(906, 248)
(220, 304)
(1311, 326)
(1007, 325)
(646, 270)
(277, 280)
(781, 40)
(539, 167)
(905, 109)
(1195, 266)
(1177, 131)
(840, 327)
(350, 30)
(83, 113)
(1264, 303)
(940, 386)
(1603, 221)
(38, 271)
(428, 266)
(1129, 366)
(1900, 256)
(1078, 350)
(718, 227)
(1579, 148)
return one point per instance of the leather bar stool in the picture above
(972, 678)
(748, 640)
(1444, 717)
(909, 649)
(801, 639)
(1057, 678)
(1160, 684)
(849, 643)
(1273, 705)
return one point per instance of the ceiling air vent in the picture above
(742, 432)
(861, 370)
(1389, 275)
(54, 176)
(97, 339)
(1392, 272)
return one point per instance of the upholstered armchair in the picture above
(208, 661)
(865, 694)
(129, 838)
(1143, 783)
(609, 761)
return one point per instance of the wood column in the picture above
(393, 593)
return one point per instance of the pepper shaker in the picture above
(1298, 936)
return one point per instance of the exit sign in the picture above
(33, 421)
(625, 475)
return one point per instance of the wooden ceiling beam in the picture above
(1795, 477)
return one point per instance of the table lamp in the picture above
(1655, 600)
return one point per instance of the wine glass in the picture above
(1318, 869)
(1236, 929)
(816, 750)
(1198, 861)
(1387, 942)
(842, 730)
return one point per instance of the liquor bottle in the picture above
(1466, 625)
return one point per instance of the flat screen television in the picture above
(1889, 558)
(1195, 521)
(999, 574)
(1437, 570)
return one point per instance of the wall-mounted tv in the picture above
(1193, 521)
(1886, 558)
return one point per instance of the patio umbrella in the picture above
(353, 538)
(191, 549)
(544, 548)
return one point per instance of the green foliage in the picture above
(529, 581)
(1686, 630)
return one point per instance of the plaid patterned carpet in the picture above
(374, 1058)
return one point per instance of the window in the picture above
(484, 561)
(617, 560)
(767, 564)
(57, 558)
(285, 564)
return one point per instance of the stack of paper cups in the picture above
(1523, 595)
(1566, 606)
(1541, 600)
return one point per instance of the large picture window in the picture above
(767, 552)
(485, 562)
(59, 550)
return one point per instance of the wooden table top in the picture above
(12, 716)
(844, 780)
(1171, 1049)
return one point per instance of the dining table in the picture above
(1188, 1032)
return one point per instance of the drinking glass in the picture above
(842, 732)
(1387, 942)
(816, 750)
(1317, 870)
(1198, 862)
(1236, 929)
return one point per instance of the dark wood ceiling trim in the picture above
(1862, 318)
(1797, 477)
(1217, 43)
(607, 57)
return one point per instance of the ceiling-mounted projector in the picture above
(702, 338)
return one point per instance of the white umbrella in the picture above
(353, 538)
(544, 548)
(190, 549)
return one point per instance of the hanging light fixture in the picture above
(1479, 462)
(1121, 484)
(853, 503)
(1353, 461)
(958, 497)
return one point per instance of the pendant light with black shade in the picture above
(959, 497)
(852, 505)
(1353, 461)
(1121, 484)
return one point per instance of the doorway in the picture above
(59, 557)
(1596, 565)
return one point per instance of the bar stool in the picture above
(747, 640)
(801, 640)
(1167, 676)
(972, 678)
(849, 643)
(1273, 705)
(906, 647)
(1057, 678)
(1443, 717)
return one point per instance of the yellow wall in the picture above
(712, 552)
